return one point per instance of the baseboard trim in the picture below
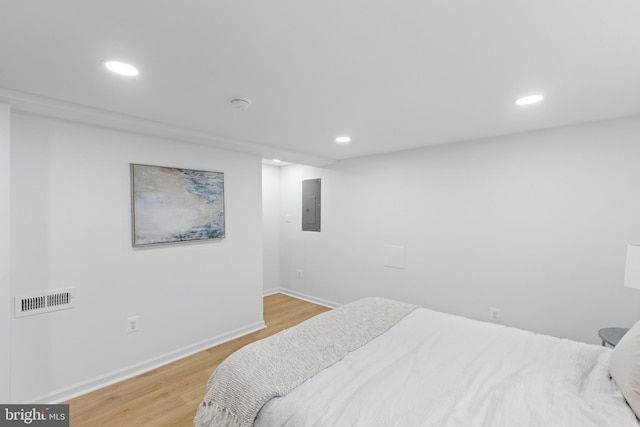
(102, 381)
(303, 297)
(273, 291)
(149, 365)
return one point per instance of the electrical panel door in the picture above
(311, 205)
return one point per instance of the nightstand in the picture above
(611, 336)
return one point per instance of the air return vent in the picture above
(44, 302)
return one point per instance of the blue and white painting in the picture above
(176, 205)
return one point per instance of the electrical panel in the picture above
(311, 205)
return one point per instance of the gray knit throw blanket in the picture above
(273, 366)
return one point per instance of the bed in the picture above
(378, 362)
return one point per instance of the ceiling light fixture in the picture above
(121, 68)
(277, 160)
(531, 99)
(343, 139)
(239, 103)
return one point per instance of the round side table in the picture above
(611, 336)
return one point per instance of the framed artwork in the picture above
(170, 205)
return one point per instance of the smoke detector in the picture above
(239, 103)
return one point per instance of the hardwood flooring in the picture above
(169, 395)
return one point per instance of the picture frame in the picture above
(174, 205)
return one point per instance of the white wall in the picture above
(271, 227)
(534, 224)
(71, 217)
(5, 254)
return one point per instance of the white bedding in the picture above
(435, 369)
(274, 366)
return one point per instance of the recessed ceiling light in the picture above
(121, 68)
(343, 139)
(238, 103)
(277, 160)
(531, 99)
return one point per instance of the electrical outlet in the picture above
(494, 314)
(133, 324)
(299, 274)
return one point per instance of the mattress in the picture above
(436, 369)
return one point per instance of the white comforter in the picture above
(434, 369)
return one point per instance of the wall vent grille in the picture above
(43, 302)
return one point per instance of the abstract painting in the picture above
(175, 205)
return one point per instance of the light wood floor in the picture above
(169, 396)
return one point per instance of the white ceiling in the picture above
(394, 75)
